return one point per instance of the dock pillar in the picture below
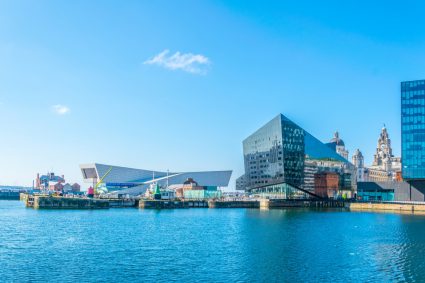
(264, 204)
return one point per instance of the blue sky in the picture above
(85, 81)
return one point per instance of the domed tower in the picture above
(337, 144)
(358, 159)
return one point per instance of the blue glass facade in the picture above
(413, 129)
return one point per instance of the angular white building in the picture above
(136, 181)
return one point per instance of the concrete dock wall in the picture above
(167, 204)
(120, 203)
(234, 204)
(23, 197)
(51, 202)
(262, 204)
(281, 203)
(9, 195)
(393, 207)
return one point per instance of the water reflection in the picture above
(287, 245)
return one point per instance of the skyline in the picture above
(164, 86)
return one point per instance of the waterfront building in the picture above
(413, 135)
(155, 192)
(413, 129)
(192, 190)
(68, 188)
(338, 145)
(117, 180)
(52, 183)
(385, 166)
(344, 170)
(379, 191)
(76, 187)
(395, 178)
(389, 191)
(326, 184)
(281, 159)
(55, 186)
(48, 180)
(168, 194)
(241, 183)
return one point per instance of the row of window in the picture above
(412, 129)
(406, 111)
(413, 94)
(412, 84)
(413, 119)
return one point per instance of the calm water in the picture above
(220, 245)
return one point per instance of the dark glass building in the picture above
(413, 130)
(275, 158)
(268, 152)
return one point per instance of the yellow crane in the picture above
(101, 180)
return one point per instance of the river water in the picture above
(209, 245)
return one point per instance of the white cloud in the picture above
(60, 109)
(192, 63)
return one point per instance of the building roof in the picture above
(315, 149)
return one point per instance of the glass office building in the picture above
(275, 157)
(268, 152)
(413, 129)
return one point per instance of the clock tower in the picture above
(384, 152)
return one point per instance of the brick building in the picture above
(326, 184)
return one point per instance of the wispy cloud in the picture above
(188, 62)
(60, 109)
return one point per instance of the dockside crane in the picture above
(101, 180)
